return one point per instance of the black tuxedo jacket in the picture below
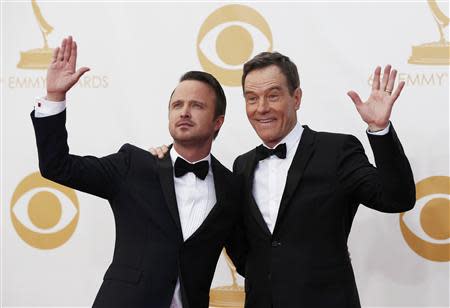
(305, 262)
(149, 253)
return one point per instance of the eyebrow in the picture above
(191, 101)
(197, 102)
(268, 90)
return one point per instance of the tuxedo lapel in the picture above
(253, 207)
(165, 171)
(219, 179)
(304, 151)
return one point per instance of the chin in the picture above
(264, 138)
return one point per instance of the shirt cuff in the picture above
(380, 132)
(44, 108)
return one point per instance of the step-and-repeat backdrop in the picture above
(57, 242)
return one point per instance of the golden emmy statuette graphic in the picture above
(232, 296)
(38, 58)
(434, 53)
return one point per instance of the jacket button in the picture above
(276, 244)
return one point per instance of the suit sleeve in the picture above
(237, 245)
(98, 176)
(387, 188)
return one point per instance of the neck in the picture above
(193, 152)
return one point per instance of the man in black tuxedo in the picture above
(303, 189)
(172, 216)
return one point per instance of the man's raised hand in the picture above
(61, 74)
(376, 111)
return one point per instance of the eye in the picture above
(426, 228)
(251, 99)
(273, 97)
(44, 214)
(231, 44)
(197, 105)
(228, 38)
(44, 210)
(176, 105)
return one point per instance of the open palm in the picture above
(376, 111)
(61, 74)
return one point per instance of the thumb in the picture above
(355, 98)
(80, 73)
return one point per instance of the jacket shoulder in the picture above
(242, 160)
(334, 140)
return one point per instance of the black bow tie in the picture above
(263, 152)
(182, 167)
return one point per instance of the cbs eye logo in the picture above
(44, 214)
(428, 233)
(238, 33)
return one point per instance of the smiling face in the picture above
(271, 109)
(192, 113)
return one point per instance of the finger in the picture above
(391, 82)
(160, 152)
(80, 73)
(376, 79)
(68, 49)
(152, 151)
(61, 50)
(355, 98)
(165, 148)
(397, 92)
(386, 73)
(55, 54)
(73, 56)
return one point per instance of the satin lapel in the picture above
(220, 188)
(249, 173)
(304, 151)
(165, 171)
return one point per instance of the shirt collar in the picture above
(174, 155)
(291, 139)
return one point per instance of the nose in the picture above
(185, 112)
(263, 106)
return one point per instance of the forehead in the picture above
(193, 90)
(265, 78)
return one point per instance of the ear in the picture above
(298, 98)
(218, 122)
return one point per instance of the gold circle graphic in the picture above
(225, 45)
(434, 219)
(44, 211)
(233, 44)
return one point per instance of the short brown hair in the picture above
(286, 66)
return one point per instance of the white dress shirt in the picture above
(195, 197)
(271, 174)
(270, 178)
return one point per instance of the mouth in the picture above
(184, 124)
(265, 121)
